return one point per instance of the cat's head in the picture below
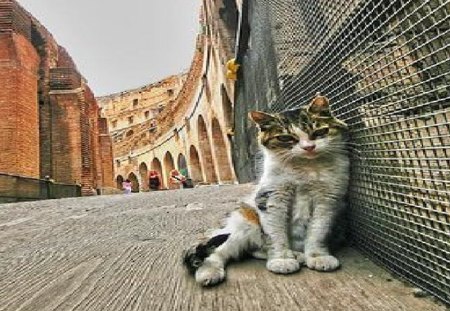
(307, 132)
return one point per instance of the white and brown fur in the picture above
(290, 218)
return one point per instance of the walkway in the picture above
(123, 253)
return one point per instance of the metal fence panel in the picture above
(385, 65)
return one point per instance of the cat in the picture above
(290, 218)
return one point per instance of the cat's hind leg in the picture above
(241, 235)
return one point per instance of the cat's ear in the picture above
(320, 105)
(261, 118)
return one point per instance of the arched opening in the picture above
(205, 152)
(182, 165)
(156, 166)
(169, 165)
(119, 182)
(196, 169)
(143, 172)
(221, 152)
(134, 182)
(227, 107)
(129, 133)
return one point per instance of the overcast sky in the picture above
(122, 44)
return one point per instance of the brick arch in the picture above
(156, 166)
(134, 182)
(220, 152)
(119, 181)
(194, 163)
(205, 151)
(169, 165)
(143, 172)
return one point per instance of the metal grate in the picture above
(385, 65)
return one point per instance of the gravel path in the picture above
(122, 252)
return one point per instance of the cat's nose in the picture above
(309, 148)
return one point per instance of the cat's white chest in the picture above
(301, 213)
(308, 179)
(302, 207)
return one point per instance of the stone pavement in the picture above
(122, 252)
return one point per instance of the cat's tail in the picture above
(194, 257)
(241, 234)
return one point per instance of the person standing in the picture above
(154, 180)
(127, 185)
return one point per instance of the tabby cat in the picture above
(290, 217)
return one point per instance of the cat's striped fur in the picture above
(291, 215)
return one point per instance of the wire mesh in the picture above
(385, 66)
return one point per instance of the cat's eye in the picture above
(321, 132)
(286, 138)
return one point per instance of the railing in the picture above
(15, 188)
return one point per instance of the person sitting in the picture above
(176, 180)
(154, 180)
(187, 183)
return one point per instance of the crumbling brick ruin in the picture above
(50, 122)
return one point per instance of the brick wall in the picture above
(19, 134)
(49, 118)
(106, 154)
(66, 138)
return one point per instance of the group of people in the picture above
(176, 181)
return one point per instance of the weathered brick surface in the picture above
(106, 156)
(49, 118)
(19, 135)
(66, 137)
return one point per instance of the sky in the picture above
(122, 44)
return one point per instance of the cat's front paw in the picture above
(322, 263)
(283, 265)
(209, 275)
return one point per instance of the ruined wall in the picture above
(48, 115)
(66, 147)
(106, 175)
(132, 114)
(19, 61)
(194, 131)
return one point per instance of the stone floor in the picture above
(123, 253)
